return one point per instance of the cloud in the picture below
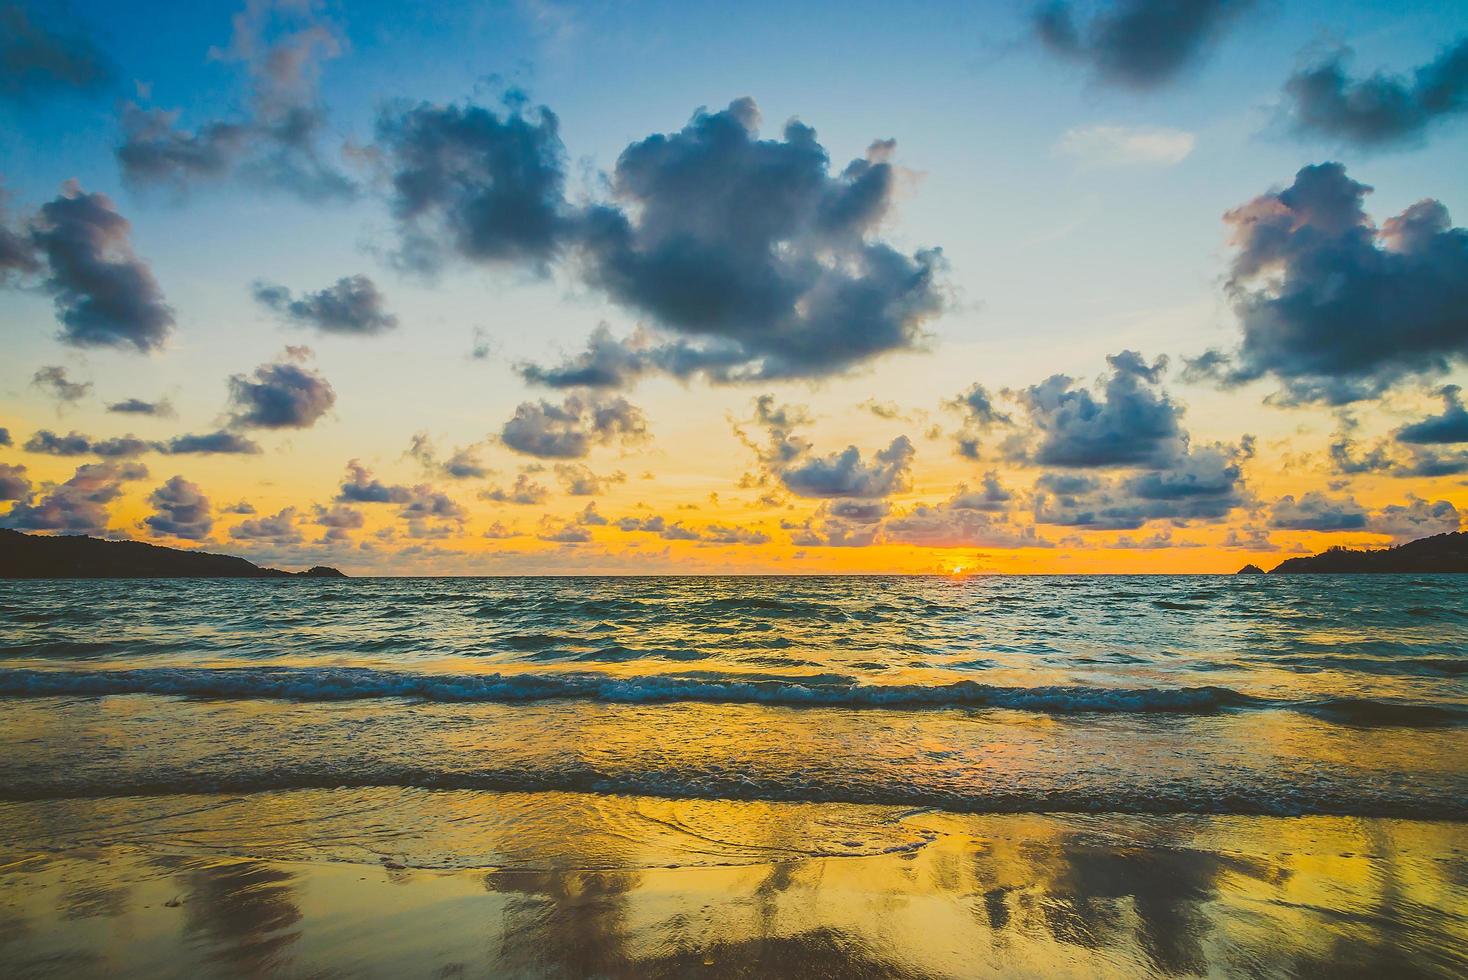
(979, 417)
(36, 61)
(486, 185)
(1380, 110)
(424, 503)
(221, 443)
(571, 429)
(754, 250)
(180, 510)
(1450, 426)
(568, 532)
(1137, 44)
(276, 143)
(1204, 483)
(75, 444)
(277, 529)
(462, 464)
(80, 504)
(1334, 308)
(678, 531)
(948, 526)
(162, 408)
(607, 362)
(361, 487)
(54, 380)
(1134, 423)
(1317, 511)
(105, 295)
(1416, 519)
(580, 481)
(352, 306)
(525, 491)
(280, 395)
(14, 485)
(1124, 146)
(993, 498)
(4, 436)
(845, 474)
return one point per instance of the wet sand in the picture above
(467, 883)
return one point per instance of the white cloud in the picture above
(1121, 146)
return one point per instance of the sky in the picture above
(550, 287)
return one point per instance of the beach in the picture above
(471, 883)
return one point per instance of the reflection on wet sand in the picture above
(580, 885)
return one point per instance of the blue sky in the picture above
(1077, 217)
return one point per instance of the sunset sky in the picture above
(1126, 286)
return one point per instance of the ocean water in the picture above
(1330, 695)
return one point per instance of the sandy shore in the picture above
(392, 883)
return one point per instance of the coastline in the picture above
(568, 884)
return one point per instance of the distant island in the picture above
(79, 556)
(1439, 553)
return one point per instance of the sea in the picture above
(1254, 695)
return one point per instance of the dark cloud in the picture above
(1203, 483)
(1134, 422)
(755, 250)
(18, 258)
(462, 464)
(277, 142)
(591, 517)
(979, 417)
(162, 408)
(1317, 511)
(1450, 426)
(845, 474)
(949, 526)
(993, 497)
(352, 306)
(277, 529)
(4, 436)
(42, 59)
(14, 485)
(80, 505)
(1335, 308)
(1138, 44)
(525, 491)
(181, 510)
(243, 507)
(1415, 519)
(571, 429)
(579, 480)
(54, 380)
(361, 487)
(1324, 100)
(221, 443)
(678, 531)
(568, 532)
(424, 503)
(607, 362)
(75, 444)
(487, 185)
(280, 395)
(105, 295)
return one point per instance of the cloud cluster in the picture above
(1137, 44)
(525, 491)
(79, 505)
(979, 417)
(276, 143)
(1324, 100)
(678, 531)
(277, 529)
(180, 510)
(1335, 308)
(361, 487)
(283, 394)
(14, 484)
(1318, 511)
(1449, 427)
(74, 443)
(162, 408)
(573, 428)
(462, 464)
(579, 480)
(1133, 423)
(750, 257)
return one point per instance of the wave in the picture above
(811, 690)
(1160, 798)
